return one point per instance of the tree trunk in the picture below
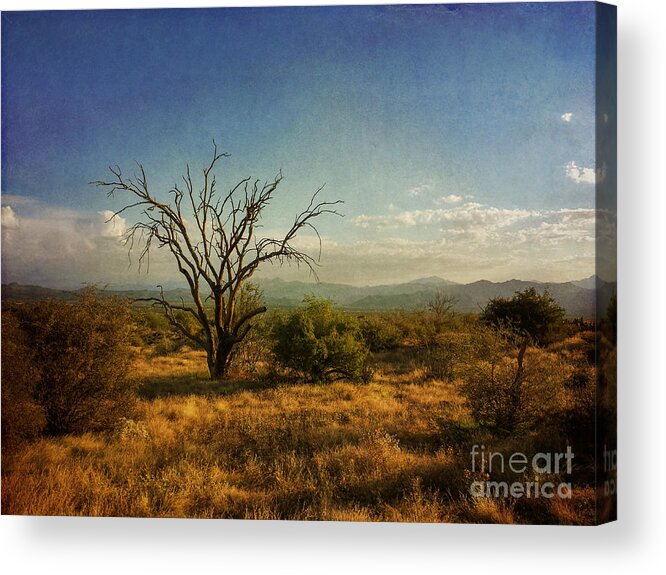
(219, 362)
(516, 391)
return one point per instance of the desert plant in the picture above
(441, 306)
(437, 348)
(81, 351)
(22, 417)
(168, 345)
(150, 327)
(438, 361)
(320, 342)
(380, 333)
(254, 349)
(528, 314)
(509, 390)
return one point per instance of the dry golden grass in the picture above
(342, 451)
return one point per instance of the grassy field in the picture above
(393, 449)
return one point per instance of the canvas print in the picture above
(347, 263)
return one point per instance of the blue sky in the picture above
(461, 138)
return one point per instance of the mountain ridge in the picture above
(574, 296)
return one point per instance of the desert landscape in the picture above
(347, 263)
(379, 428)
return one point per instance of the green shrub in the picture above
(248, 354)
(512, 391)
(380, 333)
(320, 342)
(82, 353)
(437, 347)
(168, 345)
(437, 361)
(22, 417)
(151, 327)
(153, 330)
(527, 313)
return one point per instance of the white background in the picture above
(632, 544)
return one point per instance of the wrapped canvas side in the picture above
(606, 263)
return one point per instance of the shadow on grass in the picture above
(399, 361)
(194, 384)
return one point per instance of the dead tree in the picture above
(441, 304)
(213, 243)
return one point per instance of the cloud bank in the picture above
(461, 241)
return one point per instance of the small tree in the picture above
(441, 304)
(214, 243)
(380, 333)
(510, 391)
(320, 342)
(436, 352)
(22, 417)
(81, 352)
(528, 314)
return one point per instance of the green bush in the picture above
(439, 339)
(151, 327)
(320, 342)
(380, 333)
(527, 313)
(81, 351)
(248, 354)
(22, 417)
(153, 330)
(437, 361)
(511, 391)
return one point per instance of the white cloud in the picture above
(419, 190)
(473, 240)
(467, 216)
(569, 225)
(46, 245)
(450, 199)
(309, 243)
(10, 220)
(560, 239)
(583, 175)
(567, 116)
(110, 226)
(464, 241)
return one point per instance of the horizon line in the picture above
(115, 287)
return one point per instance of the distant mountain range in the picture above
(577, 297)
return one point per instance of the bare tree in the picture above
(441, 304)
(212, 240)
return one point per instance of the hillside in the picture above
(576, 297)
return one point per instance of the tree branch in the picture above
(213, 242)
